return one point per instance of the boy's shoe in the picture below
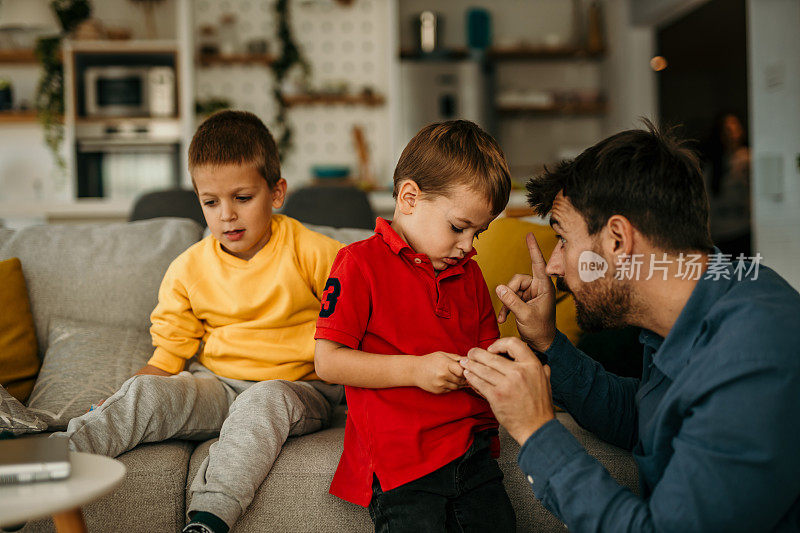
(203, 522)
(196, 527)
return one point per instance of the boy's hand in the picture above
(146, 369)
(439, 372)
(152, 370)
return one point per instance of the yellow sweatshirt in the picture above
(256, 318)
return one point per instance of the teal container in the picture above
(479, 28)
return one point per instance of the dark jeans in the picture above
(464, 495)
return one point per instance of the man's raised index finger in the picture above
(538, 264)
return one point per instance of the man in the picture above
(714, 422)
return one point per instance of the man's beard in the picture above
(601, 304)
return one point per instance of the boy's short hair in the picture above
(457, 152)
(648, 176)
(235, 138)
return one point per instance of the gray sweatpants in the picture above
(252, 418)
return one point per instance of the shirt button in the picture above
(530, 480)
(417, 260)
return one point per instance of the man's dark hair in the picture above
(235, 138)
(648, 176)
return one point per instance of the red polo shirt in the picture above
(384, 298)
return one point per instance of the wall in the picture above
(629, 80)
(28, 172)
(27, 169)
(658, 12)
(360, 44)
(774, 58)
(623, 74)
(342, 44)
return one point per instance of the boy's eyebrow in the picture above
(554, 223)
(465, 221)
(234, 191)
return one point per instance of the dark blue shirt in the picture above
(714, 423)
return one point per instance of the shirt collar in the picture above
(397, 245)
(674, 352)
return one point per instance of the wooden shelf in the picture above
(18, 57)
(512, 54)
(134, 120)
(207, 60)
(448, 54)
(124, 46)
(544, 53)
(17, 117)
(576, 109)
(369, 100)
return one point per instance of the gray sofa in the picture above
(92, 288)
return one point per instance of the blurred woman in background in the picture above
(727, 171)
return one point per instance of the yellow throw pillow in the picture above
(502, 252)
(19, 363)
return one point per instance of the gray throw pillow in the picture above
(85, 363)
(17, 418)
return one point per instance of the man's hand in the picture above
(518, 389)
(439, 372)
(532, 299)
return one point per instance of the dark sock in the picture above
(211, 521)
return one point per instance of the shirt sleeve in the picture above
(346, 303)
(599, 401)
(489, 331)
(175, 330)
(734, 465)
(316, 253)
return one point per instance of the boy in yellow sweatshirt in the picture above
(240, 306)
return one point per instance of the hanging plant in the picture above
(289, 61)
(50, 90)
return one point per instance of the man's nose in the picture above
(555, 266)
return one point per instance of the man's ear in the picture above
(279, 193)
(618, 237)
(408, 196)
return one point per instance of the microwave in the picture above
(135, 91)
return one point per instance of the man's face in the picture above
(601, 303)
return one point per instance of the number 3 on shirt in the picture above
(329, 297)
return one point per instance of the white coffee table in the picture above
(92, 477)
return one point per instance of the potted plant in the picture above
(50, 91)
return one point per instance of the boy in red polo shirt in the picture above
(399, 311)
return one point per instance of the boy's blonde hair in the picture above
(236, 138)
(457, 152)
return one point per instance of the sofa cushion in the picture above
(105, 273)
(19, 363)
(150, 498)
(16, 418)
(295, 495)
(86, 362)
(5, 235)
(343, 235)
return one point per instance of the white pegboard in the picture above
(342, 44)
